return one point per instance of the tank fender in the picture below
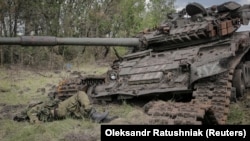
(215, 67)
(206, 70)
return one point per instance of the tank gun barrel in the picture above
(53, 41)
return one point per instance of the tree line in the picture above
(73, 18)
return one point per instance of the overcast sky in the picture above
(180, 4)
(206, 3)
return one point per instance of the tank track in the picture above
(218, 91)
(171, 113)
(210, 104)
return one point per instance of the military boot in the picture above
(101, 117)
(97, 117)
(109, 118)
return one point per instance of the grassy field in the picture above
(20, 86)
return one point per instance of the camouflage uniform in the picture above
(77, 106)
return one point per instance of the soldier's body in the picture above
(77, 106)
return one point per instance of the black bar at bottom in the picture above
(165, 132)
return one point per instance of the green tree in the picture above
(157, 11)
(74, 18)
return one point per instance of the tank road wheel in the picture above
(90, 91)
(239, 82)
(233, 96)
(247, 73)
(90, 94)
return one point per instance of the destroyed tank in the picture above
(190, 67)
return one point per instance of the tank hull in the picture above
(193, 85)
(147, 72)
(204, 78)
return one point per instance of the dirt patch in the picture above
(9, 111)
(4, 90)
(79, 137)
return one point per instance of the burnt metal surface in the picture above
(194, 62)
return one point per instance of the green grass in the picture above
(91, 69)
(236, 114)
(19, 80)
(22, 86)
(23, 131)
(16, 81)
(125, 109)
